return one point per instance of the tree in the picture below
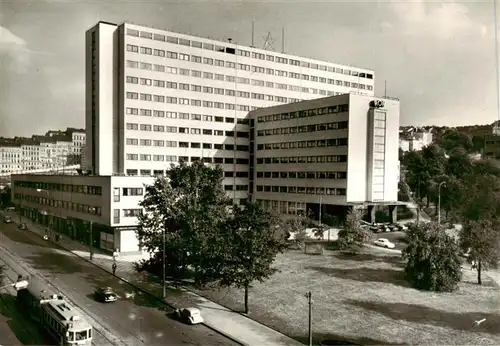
(352, 236)
(453, 139)
(5, 197)
(253, 239)
(2, 274)
(481, 240)
(404, 192)
(432, 260)
(190, 205)
(480, 198)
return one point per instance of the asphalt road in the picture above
(138, 320)
(397, 238)
(15, 327)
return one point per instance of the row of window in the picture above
(285, 207)
(236, 187)
(184, 130)
(241, 80)
(175, 144)
(302, 175)
(77, 207)
(244, 53)
(304, 113)
(174, 158)
(302, 159)
(303, 190)
(193, 102)
(230, 92)
(85, 189)
(338, 125)
(184, 116)
(334, 142)
(246, 67)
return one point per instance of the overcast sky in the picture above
(437, 57)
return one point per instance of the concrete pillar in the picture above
(371, 213)
(393, 213)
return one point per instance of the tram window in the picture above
(90, 333)
(82, 335)
(71, 336)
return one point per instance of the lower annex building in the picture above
(329, 153)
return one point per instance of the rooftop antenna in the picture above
(268, 41)
(282, 39)
(385, 88)
(496, 125)
(253, 34)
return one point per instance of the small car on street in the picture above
(189, 315)
(7, 219)
(105, 295)
(22, 226)
(382, 242)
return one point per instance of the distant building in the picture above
(414, 139)
(52, 151)
(492, 146)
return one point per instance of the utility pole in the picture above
(91, 241)
(310, 302)
(164, 286)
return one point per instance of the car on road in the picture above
(189, 315)
(22, 226)
(383, 242)
(7, 219)
(105, 295)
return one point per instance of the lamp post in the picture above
(310, 302)
(164, 285)
(439, 201)
(19, 285)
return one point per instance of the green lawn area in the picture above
(365, 299)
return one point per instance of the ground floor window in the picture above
(107, 241)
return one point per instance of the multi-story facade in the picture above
(329, 152)
(492, 146)
(156, 97)
(52, 151)
(10, 157)
(415, 139)
(69, 204)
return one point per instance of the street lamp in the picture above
(439, 201)
(164, 284)
(91, 245)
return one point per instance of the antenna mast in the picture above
(385, 88)
(252, 34)
(283, 39)
(496, 126)
(268, 41)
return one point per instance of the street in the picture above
(15, 327)
(137, 320)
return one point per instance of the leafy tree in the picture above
(432, 260)
(459, 164)
(404, 192)
(480, 198)
(453, 139)
(253, 241)
(190, 205)
(5, 197)
(352, 236)
(481, 239)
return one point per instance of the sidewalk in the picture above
(227, 322)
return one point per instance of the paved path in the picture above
(227, 322)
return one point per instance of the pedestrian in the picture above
(114, 268)
(473, 265)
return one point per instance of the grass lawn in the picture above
(365, 299)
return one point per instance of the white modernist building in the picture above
(326, 153)
(156, 97)
(73, 205)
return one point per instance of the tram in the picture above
(54, 314)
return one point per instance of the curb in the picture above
(209, 326)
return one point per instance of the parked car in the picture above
(22, 226)
(105, 295)
(7, 219)
(382, 242)
(189, 315)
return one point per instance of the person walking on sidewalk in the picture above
(114, 268)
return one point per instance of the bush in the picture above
(433, 261)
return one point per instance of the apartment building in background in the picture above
(328, 153)
(415, 139)
(156, 97)
(52, 151)
(492, 146)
